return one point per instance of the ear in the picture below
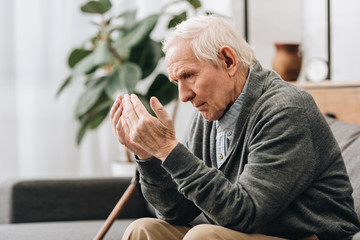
(229, 59)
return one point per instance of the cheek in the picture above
(213, 87)
(217, 98)
(208, 85)
(216, 106)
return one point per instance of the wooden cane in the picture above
(118, 207)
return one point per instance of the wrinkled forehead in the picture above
(179, 51)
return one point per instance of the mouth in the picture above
(198, 105)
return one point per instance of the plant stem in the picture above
(116, 55)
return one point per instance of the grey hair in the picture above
(208, 34)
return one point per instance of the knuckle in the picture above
(144, 121)
(118, 126)
(127, 139)
(169, 121)
(122, 122)
(134, 137)
(138, 130)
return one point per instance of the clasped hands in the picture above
(139, 131)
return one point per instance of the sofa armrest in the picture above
(66, 199)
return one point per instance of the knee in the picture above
(139, 229)
(202, 231)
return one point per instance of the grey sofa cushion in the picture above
(348, 137)
(44, 200)
(69, 230)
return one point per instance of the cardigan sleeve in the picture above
(280, 166)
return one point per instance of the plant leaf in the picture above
(129, 18)
(195, 3)
(147, 55)
(102, 54)
(137, 34)
(63, 85)
(130, 74)
(145, 101)
(99, 7)
(94, 82)
(127, 23)
(77, 55)
(86, 65)
(113, 85)
(163, 89)
(177, 19)
(99, 113)
(94, 117)
(98, 119)
(89, 98)
(80, 134)
(128, 15)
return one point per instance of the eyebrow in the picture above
(179, 73)
(171, 80)
(183, 72)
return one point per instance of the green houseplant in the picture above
(116, 59)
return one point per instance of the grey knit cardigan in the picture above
(284, 175)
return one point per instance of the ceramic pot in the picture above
(287, 61)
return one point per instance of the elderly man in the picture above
(260, 161)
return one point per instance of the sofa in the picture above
(65, 208)
(77, 208)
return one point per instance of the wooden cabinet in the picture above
(339, 99)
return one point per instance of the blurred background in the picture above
(38, 130)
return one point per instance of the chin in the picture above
(210, 117)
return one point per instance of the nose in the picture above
(185, 92)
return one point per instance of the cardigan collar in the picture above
(256, 82)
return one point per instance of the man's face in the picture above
(209, 88)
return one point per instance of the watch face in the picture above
(316, 70)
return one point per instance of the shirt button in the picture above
(229, 133)
(221, 156)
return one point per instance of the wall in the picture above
(305, 21)
(270, 22)
(345, 40)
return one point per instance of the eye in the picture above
(187, 75)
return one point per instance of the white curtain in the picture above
(37, 131)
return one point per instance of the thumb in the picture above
(160, 111)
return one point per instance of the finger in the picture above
(122, 129)
(125, 132)
(138, 106)
(117, 115)
(126, 141)
(115, 106)
(130, 115)
(160, 111)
